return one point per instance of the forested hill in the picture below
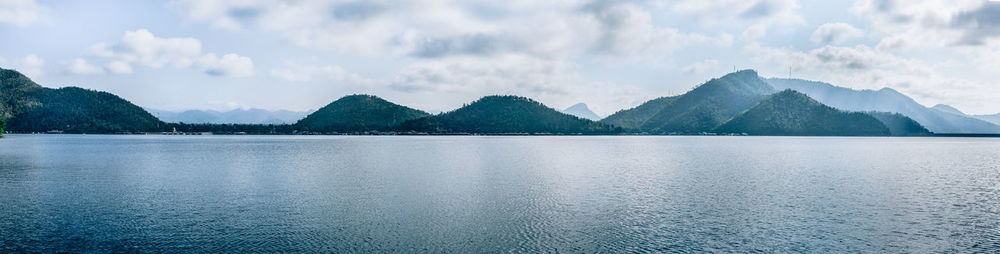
(795, 114)
(900, 125)
(507, 115)
(29, 107)
(631, 119)
(358, 113)
(709, 105)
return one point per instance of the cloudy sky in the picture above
(436, 55)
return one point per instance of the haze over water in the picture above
(482, 194)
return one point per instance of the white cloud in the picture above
(772, 12)
(304, 73)
(893, 42)
(835, 33)
(119, 67)
(753, 33)
(701, 67)
(216, 12)
(30, 65)
(498, 75)
(81, 67)
(434, 29)
(229, 65)
(142, 47)
(829, 57)
(625, 29)
(359, 27)
(21, 13)
(932, 23)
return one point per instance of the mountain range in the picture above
(236, 116)
(939, 120)
(744, 103)
(737, 103)
(994, 118)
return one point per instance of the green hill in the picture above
(358, 113)
(794, 114)
(710, 104)
(507, 114)
(29, 107)
(631, 119)
(900, 125)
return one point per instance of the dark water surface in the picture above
(498, 194)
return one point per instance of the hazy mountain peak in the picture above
(890, 91)
(709, 104)
(742, 82)
(578, 106)
(582, 111)
(994, 118)
(947, 109)
(742, 73)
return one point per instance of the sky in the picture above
(437, 55)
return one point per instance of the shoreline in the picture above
(937, 135)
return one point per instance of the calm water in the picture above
(498, 194)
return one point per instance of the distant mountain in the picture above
(886, 100)
(900, 125)
(709, 105)
(358, 113)
(237, 116)
(506, 114)
(792, 113)
(29, 107)
(632, 119)
(947, 109)
(995, 118)
(582, 111)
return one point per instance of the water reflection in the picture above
(477, 194)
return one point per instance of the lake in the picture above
(73, 193)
